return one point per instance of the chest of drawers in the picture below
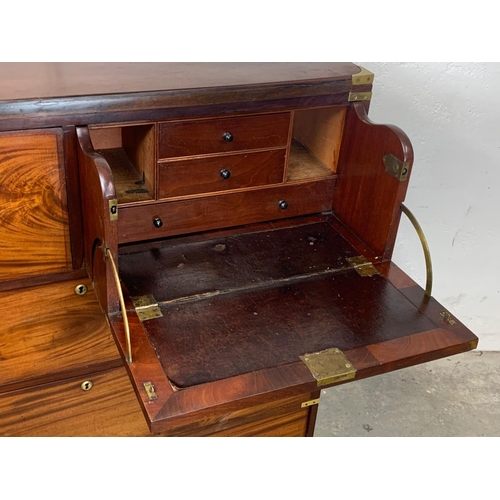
(198, 252)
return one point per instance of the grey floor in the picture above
(455, 396)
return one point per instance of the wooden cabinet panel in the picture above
(225, 210)
(220, 173)
(200, 137)
(109, 408)
(34, 229)
(281, 417)
(49, 333)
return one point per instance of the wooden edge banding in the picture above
(395, 275)
(214, 399)
(145, 367)
(45, 279)
(73, 195)
(31, 383)
(433, 310)
(352, 239)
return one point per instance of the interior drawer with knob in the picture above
(222, 135)
(170, 218)
(220, 173)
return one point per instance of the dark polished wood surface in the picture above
(242, 303)
(57, 94)
(66, 79)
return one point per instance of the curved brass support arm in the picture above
(122, 305)
(425, 247)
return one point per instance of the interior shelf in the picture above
(129, 184)
(302, 164)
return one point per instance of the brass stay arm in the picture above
(128, 357)
(425, 247)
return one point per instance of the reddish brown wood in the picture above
(33, 205)
(203, 175)
(50, 333)
(395, 275)
(39, 80)
(74, 198)
(136, 223)
(64, 409)
(55, 94)
(43, 279)
(99, 231)
(198, 137)
(197, 265)
(367, 198)
(312, 416)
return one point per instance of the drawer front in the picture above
(220, 173)
(223, 135)
(109, 408)
(225, 210)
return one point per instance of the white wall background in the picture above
(451, 113)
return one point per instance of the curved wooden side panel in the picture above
(367, 198)
(99, 231)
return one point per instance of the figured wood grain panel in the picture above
(49, 332)
(34, 228)
(291, 425)
(110, 408)
(279, 417)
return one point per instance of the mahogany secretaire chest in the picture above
(198, 249)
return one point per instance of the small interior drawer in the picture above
(199, 137)
(220, 173)
(224, 210)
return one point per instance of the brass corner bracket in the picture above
(364, 77)
(359, 96)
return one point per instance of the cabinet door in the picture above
(34, 229)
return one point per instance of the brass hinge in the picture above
(150, 391)
(329, 366)
(113, 209)
(311, 402)
(364, 77)
(359, 96)
(396, 167)
(362, 265)
(146, 307)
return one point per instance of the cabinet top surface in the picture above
(46, 80)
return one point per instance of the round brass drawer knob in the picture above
(283, 205)
(227, 136)
(225, 174)
(157, 222)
